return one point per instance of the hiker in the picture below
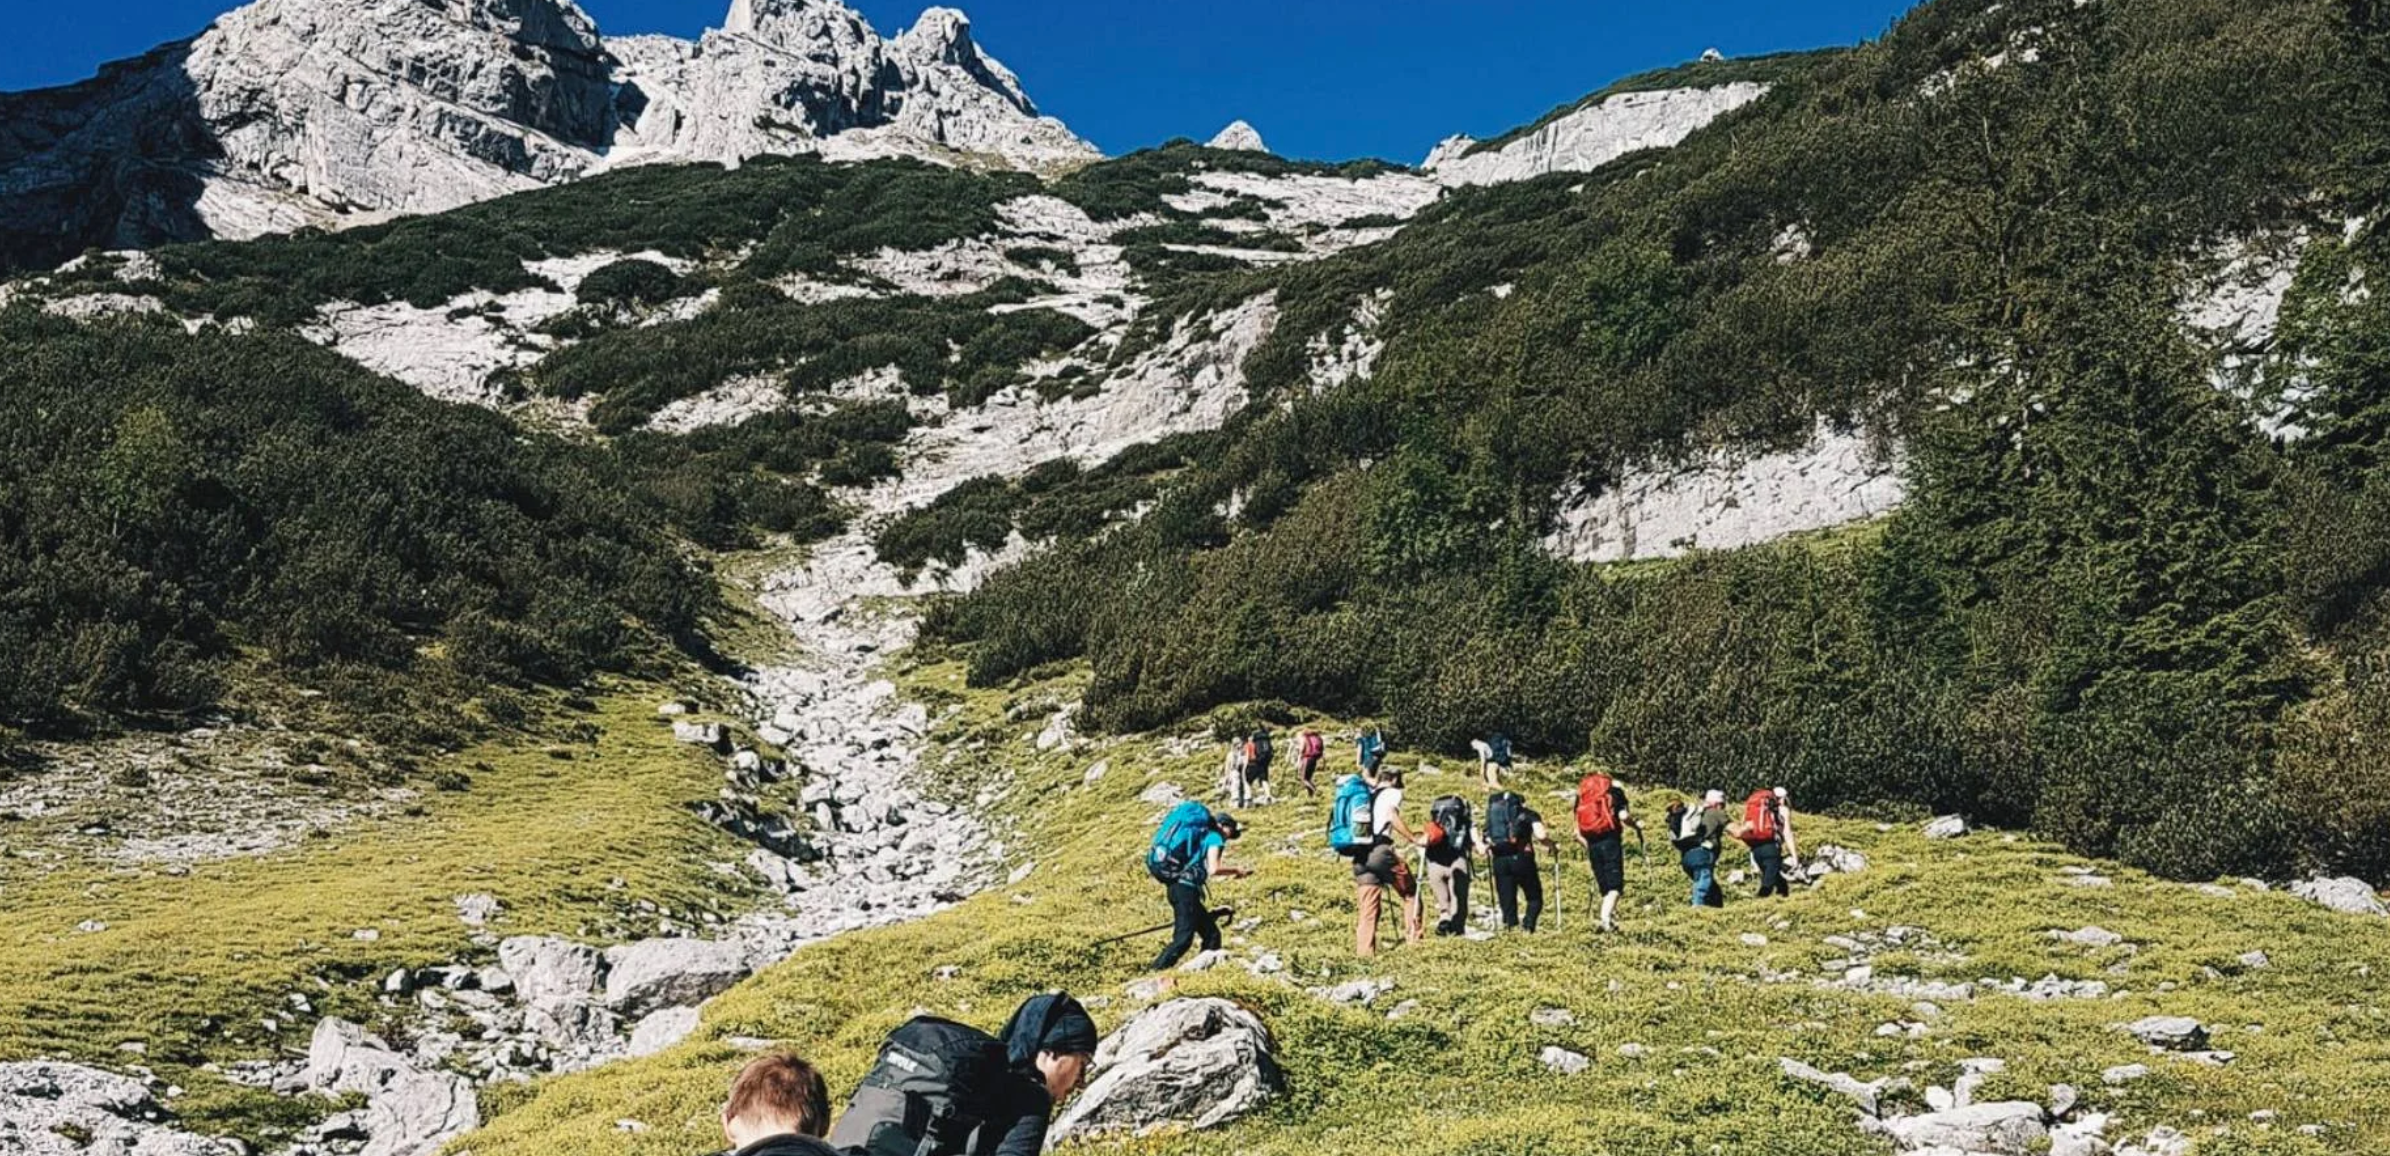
(1381, 868)
(1232, 775)
(1493, 759)
(1370, 751)
(1308, 752)
(942, 1088)
(1186, 855)
(1697, 833)
(1512, 830)
(1451, 840)
(1766, 829)
(778, 1106)
(1258, 755)
(1602, 822)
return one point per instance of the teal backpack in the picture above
(1351, 830)
(1177, 852)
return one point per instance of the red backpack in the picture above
(1759, 818)
(1596, 814)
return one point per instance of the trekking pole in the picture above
(1218, 914)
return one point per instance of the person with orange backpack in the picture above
(1602, 822)
(1767, 830)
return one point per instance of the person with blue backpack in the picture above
(1186, 855)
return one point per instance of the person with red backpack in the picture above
(1766, 829)
(1602, 822)
(1308, 753)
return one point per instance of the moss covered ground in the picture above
(1712, 997)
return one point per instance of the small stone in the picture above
(1552, 1017)
(2173, 1033)
(2123, 1074)
(1946, 827)
(1752, 939)
(1564, 1061)
(2255, 960)
(1632, 1051)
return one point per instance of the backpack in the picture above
(1498, 750)
(1178, 844)
(930, 1090)
(1448, 827)
(1313, 745)
(1351, 823)
(1683, 833)
(1760, 819)
(1597, 814)
(1260, 751)
(1507, 826)
(1372, 749)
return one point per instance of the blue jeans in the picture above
(1702, 864)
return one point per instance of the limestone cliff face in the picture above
(287, 113)
(1590, 137)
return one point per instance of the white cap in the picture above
(1780, 793)
(1713, 798)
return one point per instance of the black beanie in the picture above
(1053, 1022)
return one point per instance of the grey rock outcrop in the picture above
(2349, 896)
(654, 974)
(1192, 1063)
(43, 1104)
(408, 1111)
(288, 113)
(1946, 827)
(550, 973)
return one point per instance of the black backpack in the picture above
(1451, 813)
(1507, 826)
(1261, 747)
(931, 1089)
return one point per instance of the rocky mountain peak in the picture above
(288, 113)
(1241, 137)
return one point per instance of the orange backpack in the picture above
(1597, 815)
(1759, 818)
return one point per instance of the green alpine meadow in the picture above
(566, 594)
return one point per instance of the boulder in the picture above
(2349, 895)
(1946, 827)
(2173, 1033)
(1832, 860)
(2007, 1128)
(42, 1103)
(2089, 937)
(1191, 1063)
(1363, 992)
(549, 972)
(653, 974)
(700, 734)
(408, 1112)
(661, 1030)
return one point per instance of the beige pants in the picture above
(1451, 885)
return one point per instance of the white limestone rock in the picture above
(661, 973)
(1724, 500)
(1193, 1063)
(1239, 137)
(1591, 137)
(2348, 895)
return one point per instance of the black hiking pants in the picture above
(1769, 858)
(1513, 875)
(1189, 920)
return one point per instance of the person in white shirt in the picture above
(1383, 868)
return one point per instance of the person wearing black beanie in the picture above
(1050, 1042)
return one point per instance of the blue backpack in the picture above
(1178, 845)
(1351, 829)
(1372, 750)
(1500, 748)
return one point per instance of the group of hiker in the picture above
(1366, 826)
(939, 1088)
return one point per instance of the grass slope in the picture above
(1459, 1075)
(190, 966)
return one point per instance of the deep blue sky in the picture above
(1319, 78)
